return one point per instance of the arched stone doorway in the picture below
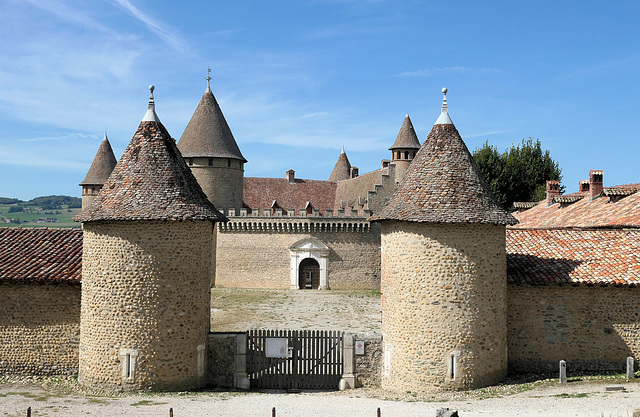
(308, 250)
(309, 274)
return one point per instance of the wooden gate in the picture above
(286, 359)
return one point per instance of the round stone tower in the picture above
(210, 150)
(99, 171)
(404, 148)
(444, 278)
(146, 265)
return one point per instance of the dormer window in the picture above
(190, 161)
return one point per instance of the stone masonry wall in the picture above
(593, 328)
(369, 365)
(145, 304)
(261, 258)
(221, 184)
(39, 328)
(443, 305)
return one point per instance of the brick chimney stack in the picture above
(553, 190)
(595, 182)
(291, 174)
(583, 186)
(354, 172)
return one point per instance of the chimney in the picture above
(385, 163)
(583, 186)
(354, 172)
(291, 176)
(553, 190)
(595, 182)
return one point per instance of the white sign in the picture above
(276, 347)
(359, 347)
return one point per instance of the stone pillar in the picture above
(563, 372)
(241, 380)
(348, 380)
(630, 368)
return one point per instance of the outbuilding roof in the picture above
(443, 184)
(151, 182)
(102, 164)
(208, 135)
(260, 193)
(591, 257)
(40, 254)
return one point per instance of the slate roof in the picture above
(342, 169)
(40, 254)
(102, 164)
(407, 137)
(616, 207)
(591, 257)
(443, 184)
(260, 193)
(151, 182)
(208, 135)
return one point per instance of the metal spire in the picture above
(208, 78)
(444, 118)
(151, 115)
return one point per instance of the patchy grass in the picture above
(147, 402)
(572, 395)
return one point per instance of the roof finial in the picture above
(407, 114)
(208, 78)
(444, 118)
(343, 149)
(151, 115)
(105, 136)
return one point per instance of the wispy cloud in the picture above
(431, 72)
(68, 14)
(168, 35)
(70, 136)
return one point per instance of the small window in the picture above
(190, 161)
(406, 155)
(229, 163)
(210, 162)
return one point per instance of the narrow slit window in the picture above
(453, 366)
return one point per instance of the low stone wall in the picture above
(227, 361)
(39, 328)
(592, 328)
(369, 365)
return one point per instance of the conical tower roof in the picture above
(102, 164)
(443, 184)
(151, 181)
(342, 169)
(407, 138)
(208, 135)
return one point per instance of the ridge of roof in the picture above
(207, 134)
(151, 181)
(102, 165)
(407, 138)
(443, 185)
(342, 169)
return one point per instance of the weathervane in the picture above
(208, 77)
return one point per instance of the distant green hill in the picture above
(48, 211)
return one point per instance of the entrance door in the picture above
(309, 276)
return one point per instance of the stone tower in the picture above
(342, 169)
(147, 245)
(404, 148)
(444, 278)
(210, 150)
(99, 171)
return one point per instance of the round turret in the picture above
(98, 173)
(404, 148)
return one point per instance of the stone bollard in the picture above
(636, 412)
(630, 368)
(563, 372)
(446, 412)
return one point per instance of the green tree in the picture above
(518, 174)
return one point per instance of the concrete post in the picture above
(630, 368)
(241, 380)
(563, 372)
(349, 354)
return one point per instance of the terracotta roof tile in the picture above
(342, 169)
(260, 193)
(443, 184)
(151, 182)
(592, 257)
(407, 138)
(208, 135)
(40, 254)
(102, 164)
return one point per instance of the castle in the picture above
(468, 293)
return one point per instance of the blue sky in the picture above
(297, 80)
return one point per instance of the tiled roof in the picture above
(342, 169)
(151, 182)
(606, 211)
(443, 184)
(524, 205)
(407, 138)
(355, 190)
(208, 135)
(592, 257)
(260, 193)
(102, 164)
(40, 254)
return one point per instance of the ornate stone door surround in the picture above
(309, 248)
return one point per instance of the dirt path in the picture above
(245, 309)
